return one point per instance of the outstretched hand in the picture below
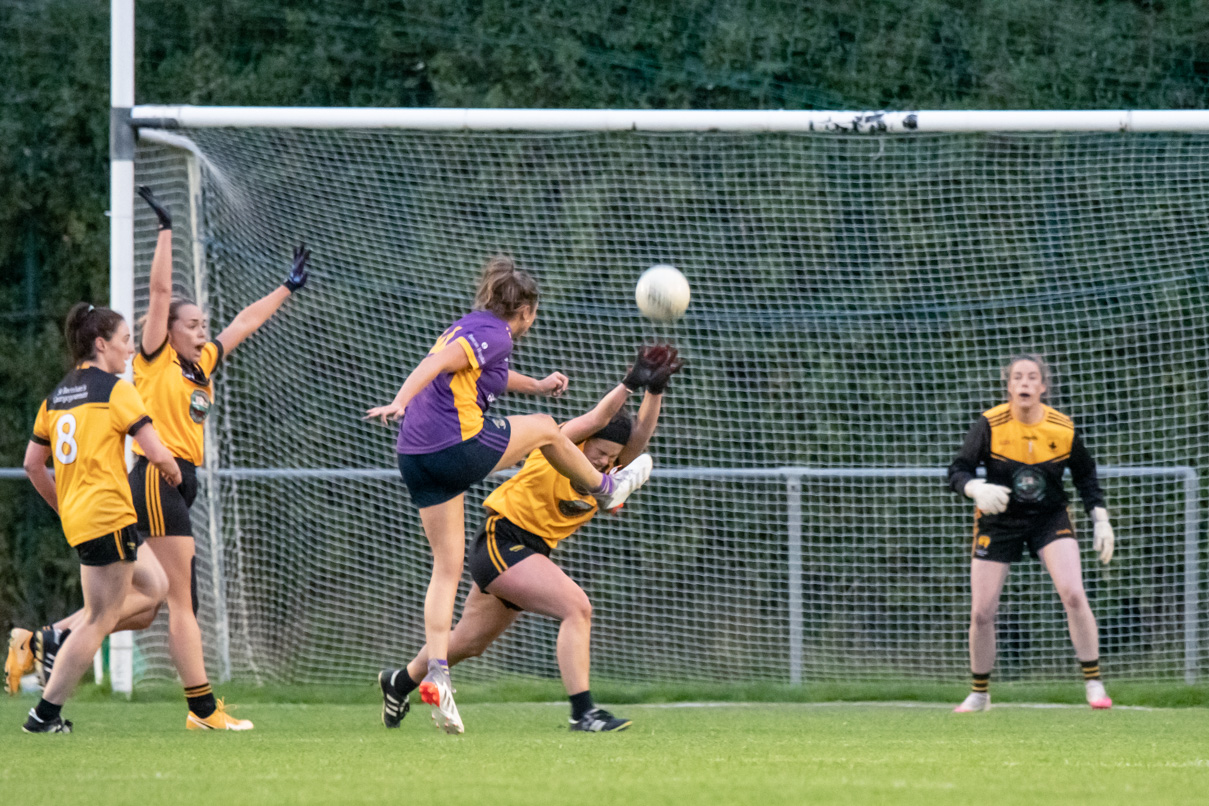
(671, 364)
(161, 212)
(298, 274)
(650, 358)
(391, 412)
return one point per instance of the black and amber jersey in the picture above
(542, 501)
(178, 395)
(84, 422)
(1030, 460)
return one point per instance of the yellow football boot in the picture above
(219, 720)
(20, 660)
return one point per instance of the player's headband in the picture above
(618, 430)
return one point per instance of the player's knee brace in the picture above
(193, 583)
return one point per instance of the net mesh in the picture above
(853, 300)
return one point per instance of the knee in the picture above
(145, 619)
(1074, 599)
(579, 613)
(983, 618)
(545, 425)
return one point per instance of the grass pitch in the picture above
(522, 753)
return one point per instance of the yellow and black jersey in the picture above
(1030, 460)
(84, 422)
(542, 501)
(178, 395)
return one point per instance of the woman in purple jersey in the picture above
(447, 444)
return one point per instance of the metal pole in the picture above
(793, 512)
(1192, 576)
(121, 241)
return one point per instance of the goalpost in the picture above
(858, 278)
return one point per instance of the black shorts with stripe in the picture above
(1004, 542)
(121, 546)
(161, 508)
(498, 546)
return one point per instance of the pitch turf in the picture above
(522, 753)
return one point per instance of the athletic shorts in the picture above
(121, 546)
(1004, 543)
(434, 478)
(161, 508)
(498, 546)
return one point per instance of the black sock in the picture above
(402, 683)
(1091, 669)
(982, 683)
(47, 711)
(201, 699)
(581, 703)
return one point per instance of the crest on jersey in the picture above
(1028, 485)
(199, 406)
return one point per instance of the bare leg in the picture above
(1061, 559)
(148, 590)
(445, 527)
(986, 585)
(105, 588)
(484, 619)
(532, 431)
(537, 584)
(175, 554)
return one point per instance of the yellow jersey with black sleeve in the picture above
(1030, 460)
(84, 422)
(179, 395)
(542, 501)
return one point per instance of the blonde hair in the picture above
(1047, 376)
(503, 288)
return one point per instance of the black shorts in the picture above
(121, 546)
(498, 546)
(1004, 543)
(434, 478)
(161, 508)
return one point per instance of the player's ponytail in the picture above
(85, 324)
(504, 289)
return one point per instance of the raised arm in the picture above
(155, 331)
(36, 457)
(588, 423)
(652, 405)
(451, 359)
(252, 317)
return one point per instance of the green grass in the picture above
(522, 753)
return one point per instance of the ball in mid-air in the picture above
(662, 293)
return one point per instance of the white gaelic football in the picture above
(662, 293)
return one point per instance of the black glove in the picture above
(649, 359)
(672, 364)
(298, 275)
(161, 212)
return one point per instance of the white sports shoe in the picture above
(977, 701)
(437, 690)
(626, 481)
(1097, 697)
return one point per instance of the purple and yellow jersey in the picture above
(450, 409)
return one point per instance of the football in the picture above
(662, 293)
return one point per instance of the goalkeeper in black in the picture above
(1026, 447)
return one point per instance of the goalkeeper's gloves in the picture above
(1103, 538)
(161, 212)
(990, 498)
(663, 375)
(298, 275)
(649, 360)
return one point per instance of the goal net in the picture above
(854, 297)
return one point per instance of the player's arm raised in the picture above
(451, 359)
(155, 331)
(652, 405)
(249, 320)
(553, 385)
(36, 457)
(636, 377)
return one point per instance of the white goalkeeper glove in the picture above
(1103, 539)
(990, 498)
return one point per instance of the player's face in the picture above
(189, 334)
(114, 353)
(602, 453)
(1025, 386)
(523, 320)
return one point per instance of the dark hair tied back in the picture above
(504, 289)
(86, 323)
